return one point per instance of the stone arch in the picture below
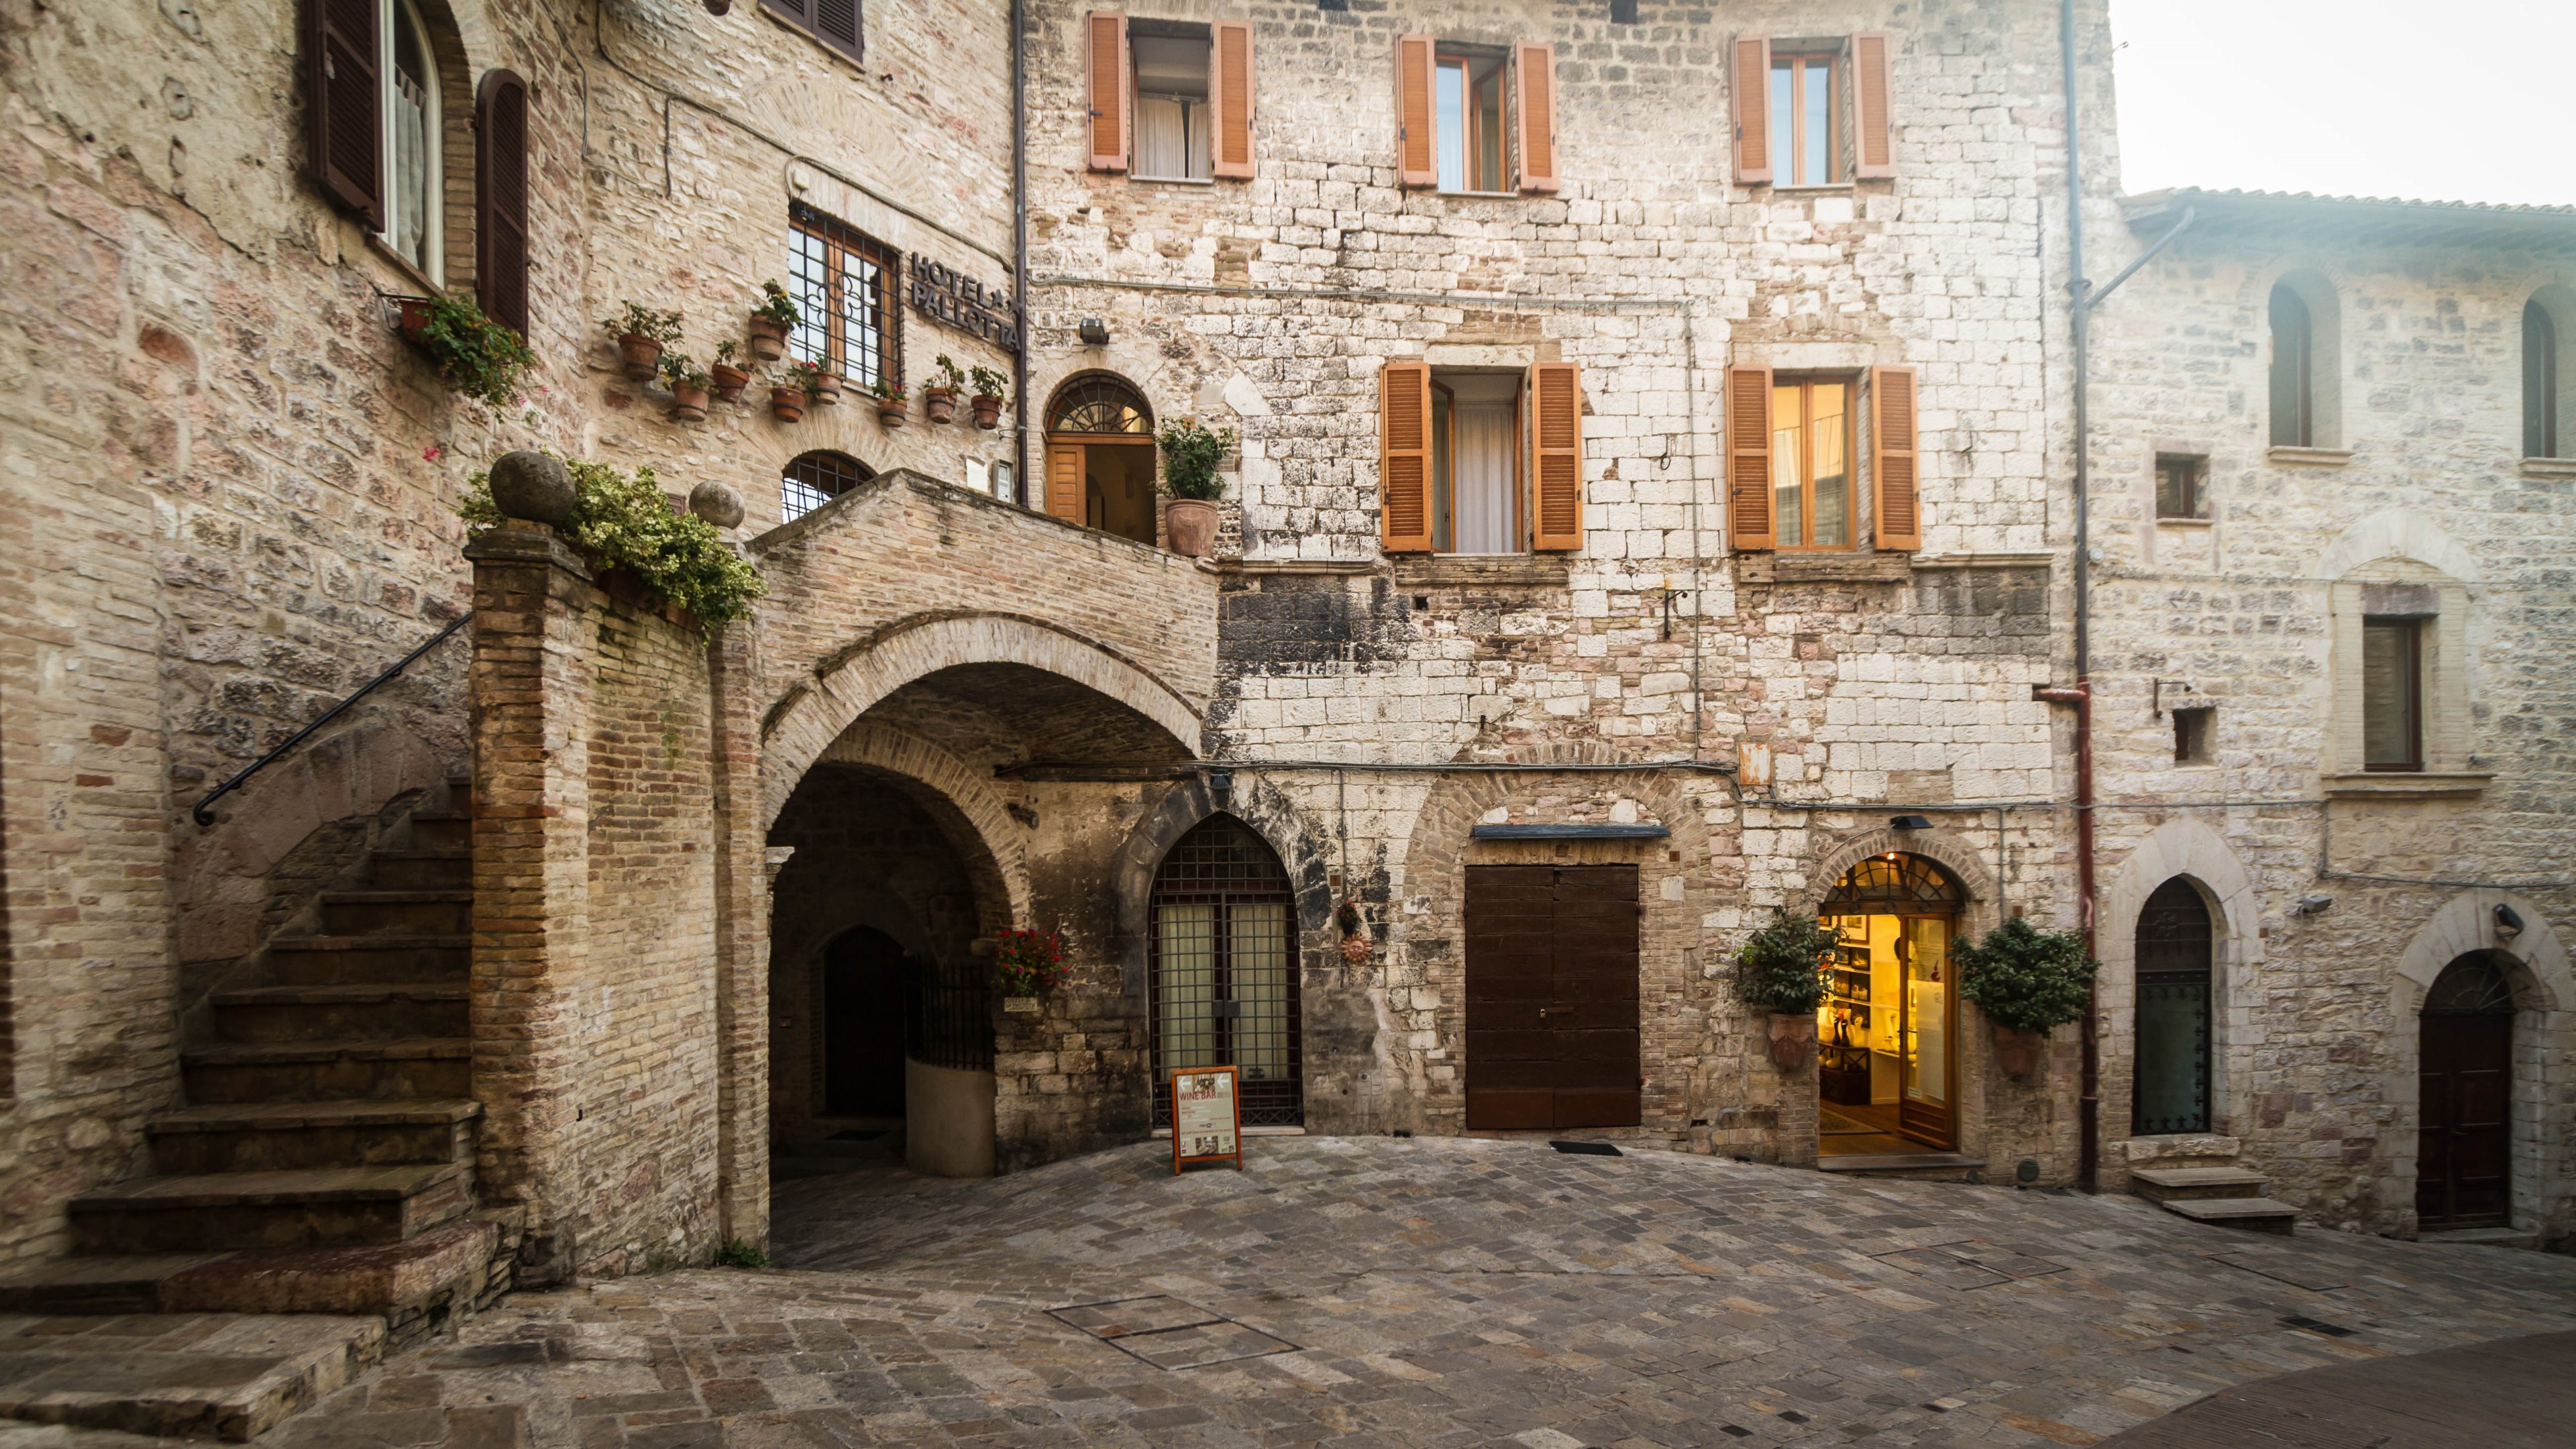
(1299, 845)
(962, 801)
(1095, 385)
(2320, 297)
(1983, 909)
(2536, 963)
(2398, 533)
(804, 722)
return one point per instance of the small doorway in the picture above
(2464, 1151)
(1100, 458)
(867, 990)
(1222, 983)
(2172, 1023)
(1552, 1026)
(1887, 1074)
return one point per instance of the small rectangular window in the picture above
(2392, 693)
(2193, 729)
(1811, 449)
(1468, 97)
(1171, 107)
(1806, 144)
(2182, 489)
(844, 285)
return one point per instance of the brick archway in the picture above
(963, 802)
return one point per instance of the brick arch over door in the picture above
(964, 804)
(805, 721)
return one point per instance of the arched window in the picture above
(1222, 971)
(813, 479)
(1889, 1072)
(1100, 457)
(1099, 403)
(2293, 371)
(2539, 381)
(2464, 1156)
(2173, 1013)
(414, 186)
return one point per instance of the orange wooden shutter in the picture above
(1230, 99)
(1064, 481)
(1404, 456)
(501, 198)
(346, 130)
(1748, 457)
(1105, 70)
(1535, 68)
(1556, 456)
(1753, 109)
(1873, 87)
(1894, 468)
(1416, 162)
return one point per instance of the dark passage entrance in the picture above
(866, 988)
(2464, 1156)
(1552, 996)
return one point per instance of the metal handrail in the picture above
(204, 810)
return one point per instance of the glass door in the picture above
(1923, 1098)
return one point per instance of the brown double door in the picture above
(1552, 996)
(2464, 1156)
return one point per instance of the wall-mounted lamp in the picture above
(2312, 905)
(2508, 922)
(1220, 785)
(1910, 822)
(1093, 332)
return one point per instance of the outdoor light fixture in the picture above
(2027, 1171)
(2508, 922)
(1220, 785)
(1911, 822)
(1093, 332)
(2311, 905)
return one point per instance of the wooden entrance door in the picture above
(1552, 996)
(2464, 1153)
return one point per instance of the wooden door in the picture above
(1552, 1031)
(2463, 1166)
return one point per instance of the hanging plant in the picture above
(730, 376)
(642, 336)
(771, 321)
(1028, 963)
(623, 521)
(476, 356)
(1782, 967)
(892, 403)
(939, 391)
(2024, 978)
(688, 386)
(987, 399)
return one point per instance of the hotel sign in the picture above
(939, 292)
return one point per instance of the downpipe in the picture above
(2088, 1153)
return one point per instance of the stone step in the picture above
(2261, 1214)
(2178, 1184)
(1926, 1166)
(312, 1207)
(330, 960)
(341, 1013)
(2481, 1237)
(420, 870)
(397, 912)
(279, 1136)
(451, 829)
(323, 1071)
(223, 1376)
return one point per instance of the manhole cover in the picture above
(1971, 1264)
(1170, 1333)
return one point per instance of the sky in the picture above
(2461, 100)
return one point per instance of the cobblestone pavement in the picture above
(1436, 1292)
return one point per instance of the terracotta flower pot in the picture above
(688, 402)
(414, 316)
(1192, 525)
(988, 410)
(768, 339)
(891, 410)
(730, 381)
(1793, 1040)
(826, 390)
(939, 404)
(787, 404)
(641, 354)
(2019, 1052)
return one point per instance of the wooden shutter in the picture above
(1230, 99)
(344, 108)
(1064, 481)
(836, 24)
(1556, 456)
(1534, 66)
(1748, 458)
(501, 199)
(1404, 456)
(1873, 88)
(1105, 80)
(1894, 471)
(1417, 162)
(1753, 109)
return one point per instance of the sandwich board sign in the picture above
(1207, 1122)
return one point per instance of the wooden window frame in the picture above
(1137, 95)
(1470, 149)
(2194, 470)
(1799, 63)
(1807, 465)
(393, 16)
(839, 241)
(1443, 485)
(2411, 628)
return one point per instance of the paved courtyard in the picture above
(1436, 1292)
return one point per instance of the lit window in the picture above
(2392, 692)
(1805, 151)
(814, 479)
(1811, 463)
(843, 283)
(411, 138)
(1470, 125)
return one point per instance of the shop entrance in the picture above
(1888, 1029)
(1100, 458)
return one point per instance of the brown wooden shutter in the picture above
(1534, 67)
(1753, 109)
(1748, 458)
(1064, 481)
(836, 24)
(1894, 470)
(501, 199)
(1105, 72)
(343, 108)
(1404, 456)
(1556, 456)
(1417, 162)
(1873, 88)
(1230, 99)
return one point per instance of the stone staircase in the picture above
(2200, 1179)
(325, 1160)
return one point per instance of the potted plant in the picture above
(1191, 454)
(730, 377)
(771, 321)
(2028, 982)
(688, 384)
(987, 401)
(823, 386)
(642, 335)
(891, 401)
(939, 391)
(787, 399)
(1782, 970)
(1028, 963)
(476, 356)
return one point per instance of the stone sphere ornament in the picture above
(717, 503)
(532, 486)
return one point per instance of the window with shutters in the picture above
(1811, 462)
(844, 285)
(835, 23)
(501, 199)
(2392, 693)
(1468, 120)
(1168, 100)
(1806, 128)
(1814, 112)
(1170, 64)
(1475, 120)
(1476, 462)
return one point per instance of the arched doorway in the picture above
(1221, 978)
(1888, 1070)
(1100, 457)
(867, 990)
(2464, 1154)
(2172, 1019)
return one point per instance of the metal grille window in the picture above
(844, 285)
(1892, 884)
(948, 1016)
(814, 479)
(1223, 983)
(2173, 1013)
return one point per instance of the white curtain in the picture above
(407, 218)
(1171, 138)
(1481, 479)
